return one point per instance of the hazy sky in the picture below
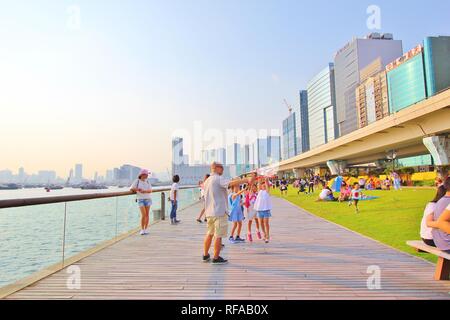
(113, 88)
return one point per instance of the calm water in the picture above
(31, 238)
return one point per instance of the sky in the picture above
(108, 82)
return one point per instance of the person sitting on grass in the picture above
(326, 195)
(440, 220)
(426, 233)
(346, 192)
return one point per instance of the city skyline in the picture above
(102, 91)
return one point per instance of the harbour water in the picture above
(32, 238)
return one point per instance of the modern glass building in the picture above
(349, 61)
(303, 123)
(420, 73)
(268, 150)
(406, 80)
(437, 63)
(290, 136)
(321, 108)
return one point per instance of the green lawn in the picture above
(392, 219)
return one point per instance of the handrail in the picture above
(14, 203)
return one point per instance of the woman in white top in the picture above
(263, 207)
(143, 190)
(425, 231)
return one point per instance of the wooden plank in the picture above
(308, 258)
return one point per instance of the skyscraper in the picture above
(322, 108)
(268, 150)
(290, 136)
(78, 172)
(348, 62)
(303, 124)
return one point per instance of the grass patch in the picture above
(392, 219)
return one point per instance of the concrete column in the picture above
(336, 166)
(299, 172)
(439, 148)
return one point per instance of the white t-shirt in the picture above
(324, 194)
(425, 231)
(174, 188)
(143, 185)
(263, 201)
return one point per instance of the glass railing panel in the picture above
(30, 240)
(89, 223)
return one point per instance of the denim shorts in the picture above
(264, 214)
(144, 202)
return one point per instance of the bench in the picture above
(443, 265)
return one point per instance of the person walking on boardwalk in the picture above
(143, 190)
(174, 199)
(216, 209)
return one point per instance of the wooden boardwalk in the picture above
(308, 258)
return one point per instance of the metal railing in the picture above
(43, 233)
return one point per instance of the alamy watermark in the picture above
(73, 21)
(74, 279)
(374, 280)
(374, 20)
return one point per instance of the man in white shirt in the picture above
(216, 210)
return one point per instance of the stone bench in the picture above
(443, 265)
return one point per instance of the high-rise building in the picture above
(437, 63)
(268, 150)
(303, 123)
(46, 176)
(290, 137)
(221, 155)
(322, 108)
(78, 172)
(348, 62)
(419, 73)
(233, 154)
(177, 151)
(372, 101)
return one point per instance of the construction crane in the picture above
(288, 106)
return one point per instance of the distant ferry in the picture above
(10, 186)
(93, 186)
(53, 187)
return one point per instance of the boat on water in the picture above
(10, 186)
(50, 187)
(93, 186)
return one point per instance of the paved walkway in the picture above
(308, 258)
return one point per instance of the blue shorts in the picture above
(264, 214)
(144, 202)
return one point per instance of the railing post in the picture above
(163, 206)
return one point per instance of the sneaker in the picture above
(219, 260)
(176, 221)
(199, 221)
(207, 258)
(146, 231)
(142, 232)
(231, 239)
(266, 241)
(249, 237)
(258, 234)
(238, 239)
